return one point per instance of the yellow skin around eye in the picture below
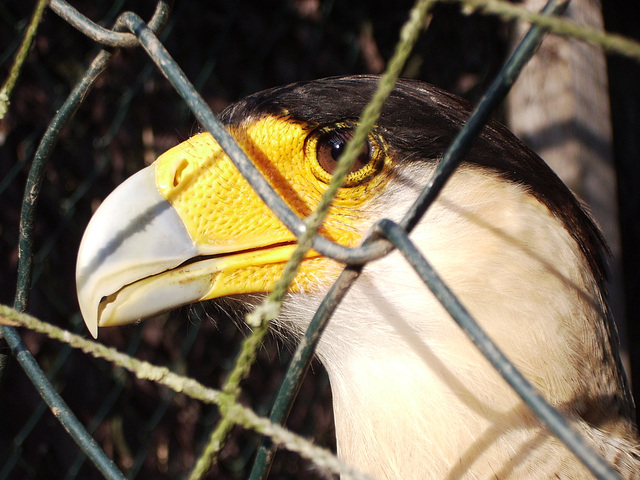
(222, 212)
(362, 173)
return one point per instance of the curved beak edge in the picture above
(134, 236)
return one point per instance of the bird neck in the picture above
(412, 417)
(413, 397)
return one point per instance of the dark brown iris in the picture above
(330, 146)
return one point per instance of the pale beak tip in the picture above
(93, 330)
(91, 321)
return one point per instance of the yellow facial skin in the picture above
(225, 217)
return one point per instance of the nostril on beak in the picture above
(179, 171)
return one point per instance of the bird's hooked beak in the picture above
(135, 234)
(185, 229)
(189, 227)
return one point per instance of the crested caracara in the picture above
(413, 398)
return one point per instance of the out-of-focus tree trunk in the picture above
(560, 107)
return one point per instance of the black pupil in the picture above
(337, 143)
(332, 144)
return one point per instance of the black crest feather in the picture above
(419, 121)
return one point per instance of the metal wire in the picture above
(209, 121)
(25, 260)
(372, 248)
(481, 114)
(452, 157)
(25, 269)
(545, 412)
(104, 36)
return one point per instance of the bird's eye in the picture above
(327, 145)
(330, 146)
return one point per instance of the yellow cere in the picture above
(224, 216)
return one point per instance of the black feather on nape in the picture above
(419, 121)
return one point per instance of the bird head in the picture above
(189, 227)
(505, 234)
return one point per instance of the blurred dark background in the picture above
(228, 50)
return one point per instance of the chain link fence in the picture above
(119, 116)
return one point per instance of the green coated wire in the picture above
(611, 42)
(25, 271)
(25, 265)
(23, 50)
(5, 96)
(491, 99)
(543, 410)
(241, 415)
(21, 300)
(272, 304)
